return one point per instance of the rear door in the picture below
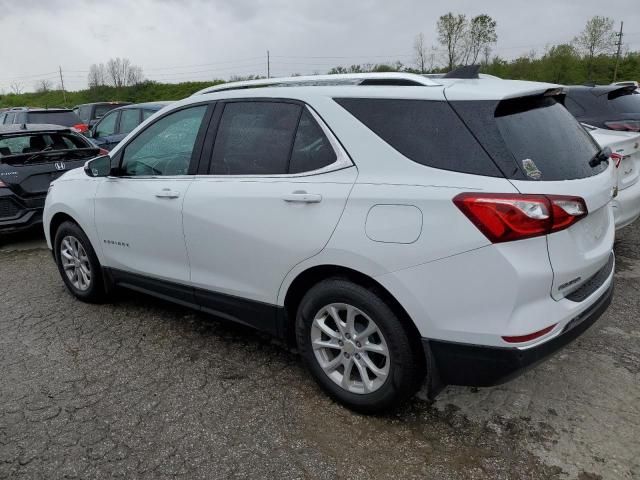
(271, 196)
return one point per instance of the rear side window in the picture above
(532, 138)
(255, 138)
(427, 132)
(311, 148)
(627, 103)
(66, 119)
(102, 109)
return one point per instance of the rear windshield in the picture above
(627, 103)
(532, 138)
(427, 132)
(66, 119)
(33, 143)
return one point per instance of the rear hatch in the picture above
(30, 161)
(626, 153)
(542, 149)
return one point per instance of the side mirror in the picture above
(98, 167)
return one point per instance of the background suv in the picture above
(391, 226)
(608, 106)
(90, 113)
(118, 123)
(50, 116)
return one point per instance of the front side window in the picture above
(255, 138)
(166, 146)
(107, 125)
(129, 119)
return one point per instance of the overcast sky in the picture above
(179, 40)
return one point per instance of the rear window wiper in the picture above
(37, 154)
(601, 156)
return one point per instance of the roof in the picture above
(116, 102)
(149, 105)
(31, 127)
(40, 109)
(394, 84)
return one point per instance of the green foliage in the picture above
(564, 65)
(145, 92)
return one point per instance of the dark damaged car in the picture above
(31, 157)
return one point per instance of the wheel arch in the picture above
(313, 275)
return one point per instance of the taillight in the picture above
(617, 158)
(3, 185)
(103, 151)
(624, 125)
(81, 127)
(504, 217)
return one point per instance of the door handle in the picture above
(302, 197)
(167, 193)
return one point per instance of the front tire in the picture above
(78, 264)
(356, 347)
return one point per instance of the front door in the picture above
(139, 212)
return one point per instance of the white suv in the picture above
(391, 226)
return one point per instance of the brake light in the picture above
(80, 127)
(504, 217)
(3, 185)
(624, 125)
(530, 336)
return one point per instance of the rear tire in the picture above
(356, 347)
(78, 264)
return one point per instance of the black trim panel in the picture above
(481, 366)
(261, 316)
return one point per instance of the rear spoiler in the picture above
(619, 92)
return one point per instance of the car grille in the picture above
(8, 208)
(594, 283)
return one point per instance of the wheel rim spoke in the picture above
(75, 262)
(340, 348)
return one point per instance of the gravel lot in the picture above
(144, 389)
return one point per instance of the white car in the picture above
(625, 148)
(391, 226)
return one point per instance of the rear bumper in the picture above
(17, 213)
(482, 366)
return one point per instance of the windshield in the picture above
(532, 138)
(66, 119)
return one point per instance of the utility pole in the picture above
(64, 94)
(268, 66)
(619, 44)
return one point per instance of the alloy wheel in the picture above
(75, 263)
(350, 348)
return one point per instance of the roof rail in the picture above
(383, 78)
